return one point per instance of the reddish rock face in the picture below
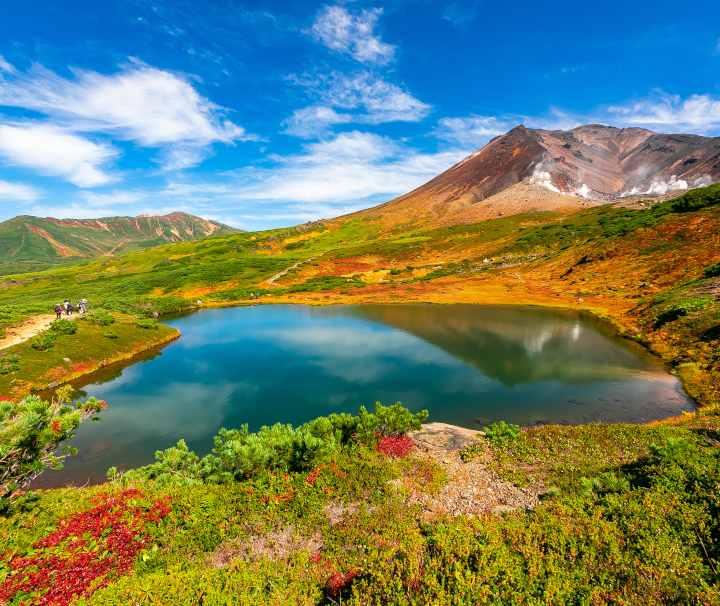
(533, 169)
(592, 161)
(603, 162)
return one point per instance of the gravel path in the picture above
(471, 488)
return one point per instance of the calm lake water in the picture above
(468, 364)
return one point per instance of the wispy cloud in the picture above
(6, 66)
(52, 151)
(314, 120)
(112, 198)
(351, 166)
(360, 98)
(463, 13)
(151, 107)
(471, 131)
(696, 113)
(17, 192)
(352, 34)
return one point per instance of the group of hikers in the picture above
(68, 308)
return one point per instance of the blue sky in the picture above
(269, 113)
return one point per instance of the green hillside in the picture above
(648, 270)
(32, 243)
(347, 509)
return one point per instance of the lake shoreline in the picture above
(615, 325)
(123, 359)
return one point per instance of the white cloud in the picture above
(52, 151)
(110, 199)
(352, 166)
(143, 104)
(178, 157)
(17, 192)
(381, 100)
(361, 98)
(696, 113)
(6, 66)
(471, 130)
(341, 31)
(314, 120)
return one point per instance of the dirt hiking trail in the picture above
(27, 330)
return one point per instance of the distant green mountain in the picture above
(33, 243)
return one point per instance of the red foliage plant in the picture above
(395, 446)
(339, 581)
(314, 475)
(85, 552)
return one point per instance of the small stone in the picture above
(503, 509)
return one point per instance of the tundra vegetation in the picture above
(328, 512)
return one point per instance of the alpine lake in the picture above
(469, 365)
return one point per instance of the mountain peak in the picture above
(537, 169)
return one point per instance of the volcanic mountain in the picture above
(533, 169)
(31, 243)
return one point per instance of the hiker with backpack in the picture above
(58, 311)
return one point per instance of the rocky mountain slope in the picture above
(532, 169)
(31, 243)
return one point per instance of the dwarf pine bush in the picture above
(31, 431)
(239, 454)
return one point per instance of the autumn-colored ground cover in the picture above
(627, 514)
(85, 552)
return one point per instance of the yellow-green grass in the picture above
(631, 522)
(71, 356)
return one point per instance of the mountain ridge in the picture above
(30, 243)
(555, 170)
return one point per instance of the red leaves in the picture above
(316, 557)
(56, 427)
(86, 551)
(314, 475)
(395, 446)
(339, 581)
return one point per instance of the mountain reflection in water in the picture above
(468, 364)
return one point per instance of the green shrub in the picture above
(30, 433)
(101, 317)
(109, 334)
(471, 451)
(681, 309)
(501, 433)
(44, 341)
(712, 272)
(240, 454)
(9, 364)
(696, 199)
(63, 327)
(147, 323)
(391, 420)
(669, 315)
